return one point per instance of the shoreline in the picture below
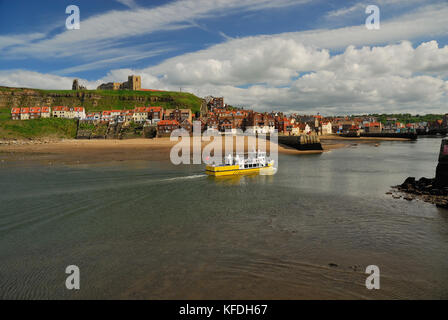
(95, 151)
(365, 139)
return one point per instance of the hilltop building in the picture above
(214, 103)
(134, 83)
(76, 86)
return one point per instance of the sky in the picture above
(304, 56)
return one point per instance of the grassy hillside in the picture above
(92, 100)
(38, 128)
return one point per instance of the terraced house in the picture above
(60, 112)
(155, 114)
(30, 113)
(15, 113)
(24, 113)
(178, 114)
(140, 114)
(165, 127)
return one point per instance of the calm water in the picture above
(154, 230)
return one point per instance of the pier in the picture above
(302, 142)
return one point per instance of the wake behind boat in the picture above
(255, 163)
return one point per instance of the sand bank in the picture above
(91, 151)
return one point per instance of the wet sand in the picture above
(90, 151)
(158, 149)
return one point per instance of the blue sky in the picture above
(290, 55)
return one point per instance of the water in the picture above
(151, 230)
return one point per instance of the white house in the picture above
(326, 128)
(260, 129)
(78, 112)
(60, 112)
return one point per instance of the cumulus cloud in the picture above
(31, 79)
(295, 77)
(279, 74)
(242, 61)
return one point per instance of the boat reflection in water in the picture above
(241, 180)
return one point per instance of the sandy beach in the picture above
(158, 149)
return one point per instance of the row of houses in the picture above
(47, 112)
(150, 114)
(222, 118)
(30, 113)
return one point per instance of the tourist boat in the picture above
(255, 163)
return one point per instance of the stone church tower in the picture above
(134, 82)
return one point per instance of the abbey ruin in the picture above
(133, 83)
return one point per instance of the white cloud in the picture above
(110, 61)
(19, 39)
(31, 79)
(344, 11)
(128, 3)
(391, 78)
(360, 7)
(369, 79)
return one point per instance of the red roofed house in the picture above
(283, 125)
(155, 114)
(178, 114)
(126, 116)
(78, 112)
(141, 114)
(212, 121)
(35, 113)
(115, 113)
(106, 115)
(259, 123)
(45, 112)
(15, 113)
(24, 113)
(373, 127)
(165, 127)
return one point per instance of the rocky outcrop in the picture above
(433, 190)
(442, 167)
(423, 189)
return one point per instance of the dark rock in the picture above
(442, 167)
(425, 181)
(333, 265)
(410, 181)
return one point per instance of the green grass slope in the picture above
(92, 100)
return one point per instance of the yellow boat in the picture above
(255, 163)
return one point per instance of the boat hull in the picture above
(231, 170)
